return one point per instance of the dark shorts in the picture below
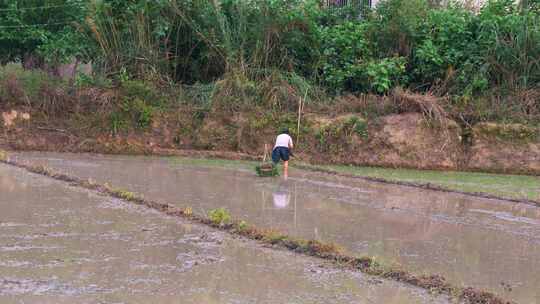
(280, 153)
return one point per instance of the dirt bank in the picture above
(505, 148)
(405, 140)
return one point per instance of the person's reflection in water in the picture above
(281, 196)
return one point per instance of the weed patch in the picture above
(124, 194)
(242, 226)
(357, 126)
(219, 216)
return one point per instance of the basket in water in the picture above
(266, 170)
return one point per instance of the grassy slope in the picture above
(512, 186)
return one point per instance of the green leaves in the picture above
(349, 61)
(47, 28)
(344, 49)
(350, 49)
(219, 216)
(382, 75)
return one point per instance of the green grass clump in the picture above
(123, 194)
(219, 216)
(126, 195)
(358, 126)
(266, 170)
(242, 226)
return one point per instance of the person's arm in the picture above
(290, 146)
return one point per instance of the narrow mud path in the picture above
(61, 244)
(478, 242)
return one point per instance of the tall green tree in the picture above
(42, 30)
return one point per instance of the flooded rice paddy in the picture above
(60, 244)
(483, 243)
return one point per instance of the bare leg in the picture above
(286, 169)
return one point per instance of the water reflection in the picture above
(281, 196)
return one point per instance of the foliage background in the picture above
(485, 64)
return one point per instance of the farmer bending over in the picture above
(282, 149)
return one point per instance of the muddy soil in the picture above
(60, 244)
(477, 242)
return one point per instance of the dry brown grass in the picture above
(54, 100)
(96, 99)
(278, 93)
(529, 101)
(428, 104)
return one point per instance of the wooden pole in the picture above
(300, 109)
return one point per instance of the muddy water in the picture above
(65, 245)
(484, 243)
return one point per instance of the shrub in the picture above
(396, 26)
(37, 89)
(469, 54)
(382, 75)
(133, 89)
(118, 122)
(345, 49)
(358, 126)
(49, 34)
(233, 55)
(139, 103)
(349, 62)
(132, 113)
(18, 85)
(447, 40)
(87, 81)
(509, 44)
